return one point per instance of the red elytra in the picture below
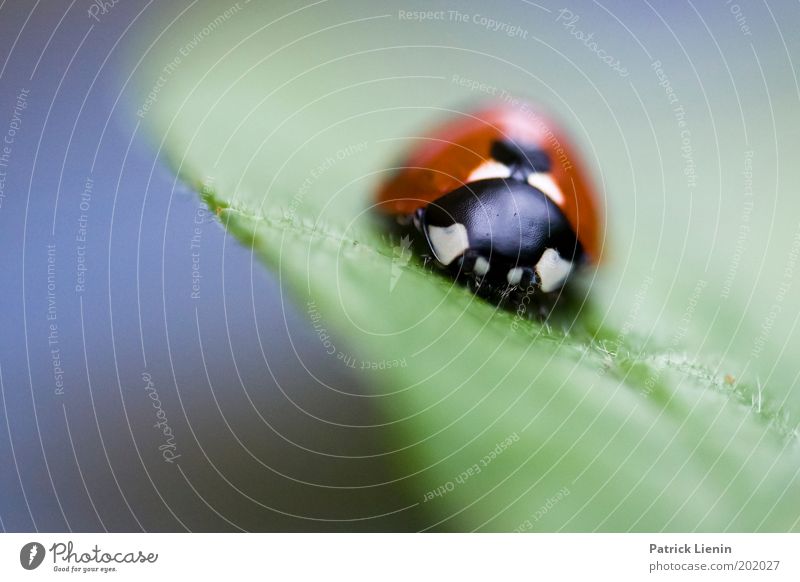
(446, 158)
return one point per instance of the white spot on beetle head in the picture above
(544, 182)
(489, 169)
(552, 270)
(481, 266)
(447, 242)
(514, 275)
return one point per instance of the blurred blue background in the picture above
(252, 455)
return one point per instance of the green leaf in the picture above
(614, 415)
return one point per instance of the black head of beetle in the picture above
(502, 230)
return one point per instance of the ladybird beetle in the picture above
(499, 196)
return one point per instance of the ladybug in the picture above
(499, 196)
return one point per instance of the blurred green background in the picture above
(324, 381)
(668, 400)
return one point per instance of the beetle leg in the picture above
(466, 264)
(529, 278)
